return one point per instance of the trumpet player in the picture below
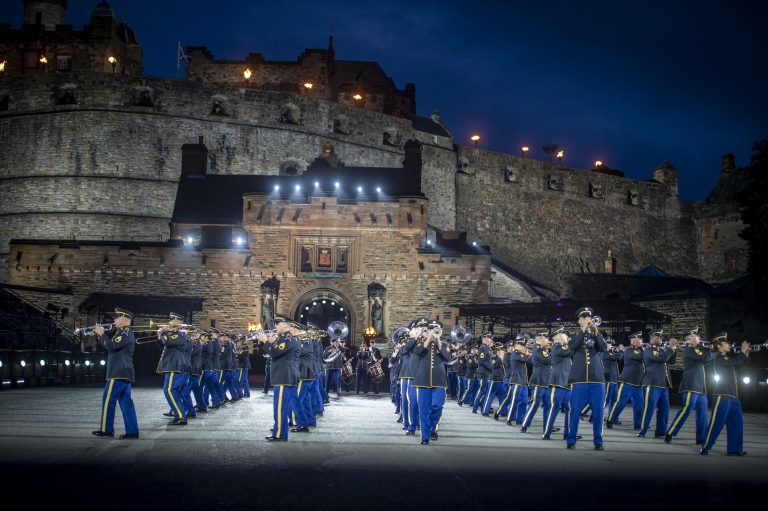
(496, 380)
(209, 377)
(727, 407)
(417, 329)
(196, 372)
(472, 383)
(693, 387)
(517, 393)
(285, 375)
(244, 367)
(559, 392)
(657, 383)
(228, 366)
(484, 369)
(540, 380)
(119, 376)
(172, 365)
(586, 377)
(431, 380)
(630, 383)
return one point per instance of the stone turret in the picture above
(727, 165)
(666, 174)
(47, 13)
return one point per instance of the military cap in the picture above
(638, 334)
(721, 337)
(174, 315)
(119, 311)
(489, 335)
(658, 333)
(214, 331)
(542, 333)
(498, 346)
(693, 331)
(558, 330)
(434, 323)
(585, 311)
(522, 337)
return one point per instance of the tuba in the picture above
(338, 330)
(460, 335)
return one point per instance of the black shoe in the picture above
(178, 422)
(399, 419)
(474, 411)
(545, 437)
(704, 452)
(326, 402)
(570, 446)
(668, 439)
(617, 423)
(660, 436)
(302, 429)
(590, 419)
(609, 424)
(509, 423)
(215, 407)
(495, 415)
(460, 403)
(555, 429)
(425, 442)
(486, 415)
(641, 435)
(598, 447)
(128, 436)
(410, 433)
(169, 414)
(739, 453)
(202, 410)
(578, 437)
(433, 435)
(523, 430)
(102, 433)
(272, 438)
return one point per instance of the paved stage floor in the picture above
(357, 456)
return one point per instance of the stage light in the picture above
(67, 362)
(317, 185)
(308, 86)
(23, 363)
(239, 241)
(87, 363)
(306, 308)
(746, 380)
(1, 363)
(717, 377)
(429, 243)
(560, 154)
(357, 97)
(360, 189)
(474, 243)
(598, 163)
(336, 184)
(323, 301)
(525, 149)
(333, 303)
(341, 308)
(475, 138)
(378, 189)
(314, 303)
(277, 188)
(189, 240)
(297, 188)
(102, 362)
(42, 362)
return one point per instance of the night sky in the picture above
(629, 83)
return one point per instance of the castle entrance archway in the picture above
(322, 307)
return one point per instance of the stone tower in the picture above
(47, 13)
(666, 174)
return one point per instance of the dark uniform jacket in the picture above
(461, 366)
(394, 365)
(244, 359)
(518, 372)
(407, 369)
(119, 354)
(227, 351)
(587, 366)
(542, 367)
(484, 367)
(285, 361)
(188, 356)
(634, 367)
(725, 367)
(216, 347)
(497, 369)
(507, 365)
(306, 360)
(611, 365)
(656, 368)
(173, 359)
(196, 358)
(561, 365)
(430, 365)
(264, 349)
(338, 361)
(362, 358)
(471, 367)
(207, 356)
(694, 376)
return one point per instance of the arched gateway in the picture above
(322, 306)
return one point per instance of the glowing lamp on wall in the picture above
(43, 59)
(560, 155)
(113, 61)
(308, 86)
(2, 65)
(598, 163)
(247, 73)
(357, 97)
(525, 150)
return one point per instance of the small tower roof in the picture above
(102, 9)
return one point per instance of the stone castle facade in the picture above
(98, 155)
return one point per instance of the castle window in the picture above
(145, 98)
(67, 98)
(732, 261)
(632, 198)
(64, 63)
(595, 191)
(5, 103)
(194, 158)
(218, 108)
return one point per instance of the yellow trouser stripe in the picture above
(407, 404)
(551, 409)
(466, 391)
(680, 414)
(513, 403)
(104, 407)
(584, 410)
(280, 412)
(712, 422)
(503, 403)
(645, 405)
(618, 398)
(200, 380)
(221, 376)
(170, 395)
(533, 405)
(293, 413)
(488, 396)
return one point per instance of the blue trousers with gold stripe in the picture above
(557, 396)
(726, 412)
(244, 385)
(481, 394)
(228, 380)
(471, 391)
(431, 401)
(172, 387)
(540, 396)
(518, 402)
(283, 403)
(405, 409)
(211, 387)
(462, 387)
(656, 399)
(317, 398)
(298, 412)
(495, 391)
(692, 401)
(197, 390)
(413, 407)
(186, 396)
(626, 393)
(307, 403)
(118, 391)
(581, 395)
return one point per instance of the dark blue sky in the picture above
(628, 83)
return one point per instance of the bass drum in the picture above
(376, 372)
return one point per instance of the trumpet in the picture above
(86, 330)
(753, 347)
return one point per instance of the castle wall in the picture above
(544, 223)
(723, 255)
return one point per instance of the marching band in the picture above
(206, 369)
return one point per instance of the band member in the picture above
(472, 382)
(119, 376)
(285, 375)
(693, 387)
(540, 380)
(410, 405)
(315, 394)
(216, 346)
(196, 372)
(361, 368)
(657, 383)
(373, 360)
(302, 414)
(334, 357)
(506, 360)
(586, 378)
(228, 366)
(611, 360)
(484, 369)
(172, 365)
(518, 381)
(394, 363)
(209, 382)
(559, 392)
(244, 367)
(461, 372)
(496, 380)
(267, 365)
(431, 380)
(726, 410)
(187, 377)
(630, 383)
(453, 371)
